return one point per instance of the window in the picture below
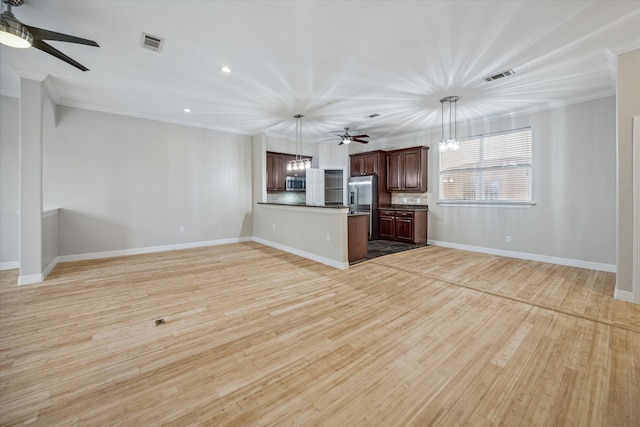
(494, 168)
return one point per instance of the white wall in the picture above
(9, 177)
(125, 183)
(574, 181)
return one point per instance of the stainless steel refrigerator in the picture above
(363, 198)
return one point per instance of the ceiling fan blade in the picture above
(39, 44)
(341, 143)
(362, 141)
(360, 136)
(41, 34)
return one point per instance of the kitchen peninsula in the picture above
(319, 233)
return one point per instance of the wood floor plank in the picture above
(254, 336)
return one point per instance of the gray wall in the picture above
(126, 183)
(628, 105)
(9, 152)
(50, 243)
(574, 182)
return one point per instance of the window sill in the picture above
(486, 204)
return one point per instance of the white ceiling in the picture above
(333, 61)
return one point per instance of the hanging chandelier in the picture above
(451, 143)
(298, 163)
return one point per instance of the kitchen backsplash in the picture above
(298, 197)
(290, 197)
(409, 199)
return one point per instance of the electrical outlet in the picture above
(508, 239)
(417, 201)
(273, 226)
(404, 200)
(182, 229)
(328, 237)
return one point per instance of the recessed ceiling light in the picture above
(187, 110)
(225, 69)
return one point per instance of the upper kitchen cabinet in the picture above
(369, 163)
(407, 170)
(276, 171)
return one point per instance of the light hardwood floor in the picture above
(254, 337)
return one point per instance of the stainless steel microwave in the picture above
(296, 183)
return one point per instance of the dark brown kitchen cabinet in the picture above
(403, 225)
(277, 170)
(358, 231)
(387, 221)
(369, 163)
(407, 170)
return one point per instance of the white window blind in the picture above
(488, 168)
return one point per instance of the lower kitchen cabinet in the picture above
(403, 225)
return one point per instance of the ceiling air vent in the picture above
(372, 116)
(499, 75)
(153, 43)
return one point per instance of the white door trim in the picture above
(635, 276)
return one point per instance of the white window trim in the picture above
(486, 204)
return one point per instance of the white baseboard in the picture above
(50, 268)
(610, 268)
(150, 249)
(9, 265)
(323, 260)
(30, 279)
(623, 295)
(38, 278)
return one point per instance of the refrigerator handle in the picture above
(352, 197)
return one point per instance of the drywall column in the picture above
(259, 169)
(31, 102)
(627, 106)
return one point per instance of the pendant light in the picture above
(450, 143)
(298, 163)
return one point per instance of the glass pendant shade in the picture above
(298, 163)
(451, 143)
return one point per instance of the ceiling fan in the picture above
(14, 33)
(348, 139)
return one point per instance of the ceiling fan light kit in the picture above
(348, 139)
(14, 33)
(451, 143)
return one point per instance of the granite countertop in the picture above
(304, 205)
(406, 207)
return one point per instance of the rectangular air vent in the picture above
(499, 75)
(153, 43)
